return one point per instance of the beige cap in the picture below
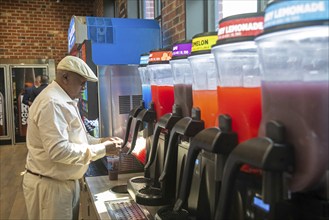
(77, 65)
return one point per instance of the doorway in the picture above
(23, 78)
(15, 81)
(4, 124)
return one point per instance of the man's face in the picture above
(37, 80)
(76, 84)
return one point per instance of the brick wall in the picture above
(37, 29)
(173, 21)
(99, 8)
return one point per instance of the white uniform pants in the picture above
(48, 198)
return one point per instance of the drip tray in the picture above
(126, 209)
(167, 213)
(119, 189)
(141, 180)
(151, 191)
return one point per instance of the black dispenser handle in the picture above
(132, 114)
(134, 138)
(154, 145)
(214, 140)
(165, 122)
(267, 153)
(173, 139)
(146, 115)
(186, 126)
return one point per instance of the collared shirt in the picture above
(57, 141)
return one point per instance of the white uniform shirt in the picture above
(57, 141)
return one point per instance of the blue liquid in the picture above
(147, 95)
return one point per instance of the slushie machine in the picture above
(291, 149)
(240, 121)
(111, 47)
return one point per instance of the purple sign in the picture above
(183, 49)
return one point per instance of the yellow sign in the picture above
(203, 43)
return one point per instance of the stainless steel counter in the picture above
(99, 192)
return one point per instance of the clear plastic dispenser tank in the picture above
(182, 74)
(238, 88)
(161, 81)
(294, 62)
(145, 79)
(204, 77)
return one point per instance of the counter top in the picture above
(99, 191)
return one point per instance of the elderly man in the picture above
(59, 147)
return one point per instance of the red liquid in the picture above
(244, 107)
(206, 100)
(154, 92)
(303, 110)
(163, 98)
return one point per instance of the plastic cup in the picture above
(113, 166)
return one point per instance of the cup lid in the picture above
(242, 27)
(285, 14)
(182, 49)
(160, 56)
(202, 43)
(144, 59)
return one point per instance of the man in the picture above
(27, 97)
(36, 90)
(59, 147)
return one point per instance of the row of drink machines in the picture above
(234, 123)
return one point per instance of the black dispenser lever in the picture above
(186, 126)
(267, 153)
(145, 115)
(132, 114)
(213, 140)
(165, 122)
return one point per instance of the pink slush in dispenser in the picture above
(204, 77)
(182, 74)
(292, 146)
(294, 58)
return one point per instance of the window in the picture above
(157, 9)
(147, 9)
(204, 15)
(238, 7)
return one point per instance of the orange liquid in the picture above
(206, 100)
(244, 107)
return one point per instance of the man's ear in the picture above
(65, 75)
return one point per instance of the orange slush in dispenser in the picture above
(161, 81)
(236, 59)
(204, 77)
(182, 74)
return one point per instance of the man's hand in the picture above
(112, 145)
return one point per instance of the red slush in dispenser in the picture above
(204, 77)
(294, 57)
(161, 81)
(182, 74)
(236, 59)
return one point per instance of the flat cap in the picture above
(77, 65)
